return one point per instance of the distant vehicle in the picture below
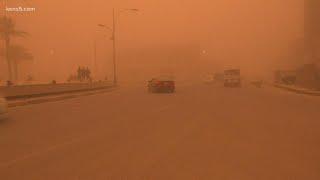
(161, 84)
(3, 108)
(232, 78)
(257, 83)
(285, 77)
(208, 79)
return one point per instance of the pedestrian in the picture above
(79, 73)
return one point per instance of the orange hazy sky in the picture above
(165, 36)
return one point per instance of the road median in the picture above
(53, 98)
(40, 90)
(297, 90)
(34, 94)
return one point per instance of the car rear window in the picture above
(165, 78)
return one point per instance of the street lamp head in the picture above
(104, 26)
(134, 10)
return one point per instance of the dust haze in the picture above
(159, 89)
(185, 38)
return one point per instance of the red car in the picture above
(158, 85)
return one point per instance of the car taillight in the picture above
(158, 83)
(171, 85)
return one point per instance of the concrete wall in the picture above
(312, 30)
(25, 91)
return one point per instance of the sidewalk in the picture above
(298, 89)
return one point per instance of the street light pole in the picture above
(95, 58)
(114, 48)
(114, 39)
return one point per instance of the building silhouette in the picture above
(312, 31)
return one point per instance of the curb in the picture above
(298, 91)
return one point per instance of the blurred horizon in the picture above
(163, 37)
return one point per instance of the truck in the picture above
(232, 78)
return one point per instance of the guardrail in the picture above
(38, 90)
(298, 90)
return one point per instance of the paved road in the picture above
(200, 132)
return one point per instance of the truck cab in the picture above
(232, 78)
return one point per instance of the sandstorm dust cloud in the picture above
(169, 36)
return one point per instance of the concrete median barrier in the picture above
(53, 98)
(31, 91)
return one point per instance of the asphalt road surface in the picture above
(199, 132)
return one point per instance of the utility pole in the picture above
(114, 47)
(114, 40)
(95, 58)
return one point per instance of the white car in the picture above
(3, 108)
(208, 79)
